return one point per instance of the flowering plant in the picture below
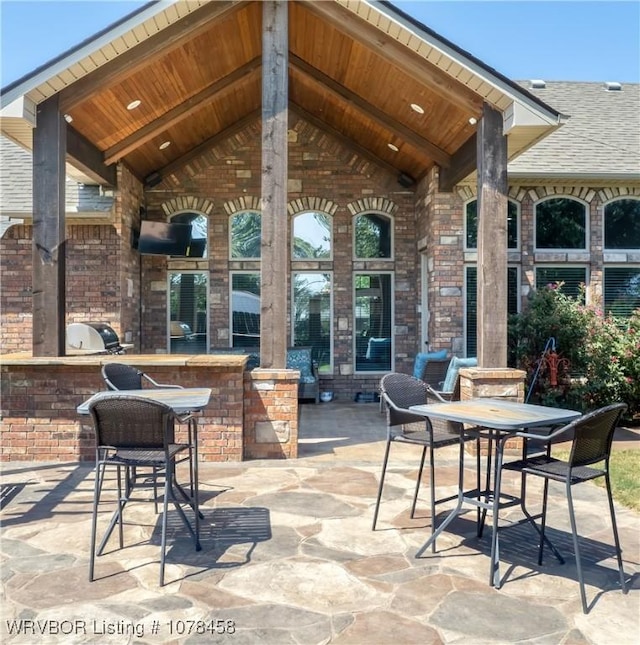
(602, 352)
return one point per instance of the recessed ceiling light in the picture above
(473, 120)
(417, 108)
(134, 104)
(393, 147)
(68, 118)
(164, 144)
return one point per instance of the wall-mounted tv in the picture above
(164, 238)
(197, 247)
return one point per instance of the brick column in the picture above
(493, 383)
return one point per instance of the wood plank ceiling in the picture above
(200, 80)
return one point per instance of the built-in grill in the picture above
(92, 338)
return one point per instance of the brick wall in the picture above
(40, 422)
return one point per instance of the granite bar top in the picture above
(139, 360)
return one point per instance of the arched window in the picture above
(561, 223)
(199, 232)
(471, 224)
(373, 236)
(312, 236)
(245, 233)
(622, 224)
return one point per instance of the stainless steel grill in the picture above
(92, 338)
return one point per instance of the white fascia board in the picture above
(21, 108)
(519, 115)
(77, 55)
(473, 67)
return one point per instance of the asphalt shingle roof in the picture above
(601, 138)
(16, 187)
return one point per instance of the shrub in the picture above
(602, 352)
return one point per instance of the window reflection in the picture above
(312, 326)
(372, 236)
(622, 224)
(188, 313)
(471, 213)
(245, 233)
(373, 322)
(245, 309)
(311, 236)
(561, 224)
(197, 247)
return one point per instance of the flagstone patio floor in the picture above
(288, 556)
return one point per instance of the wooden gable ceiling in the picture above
(200, 80)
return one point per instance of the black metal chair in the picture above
(591, 438)
(399, 392)
(119, 376)
(134, 432)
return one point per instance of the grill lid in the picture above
(92, 337)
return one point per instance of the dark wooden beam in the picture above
(144, 54)
(275, 238)
(398, 129)
(182, 111)
(221, 136)
(463, 162)
(349, 144)
(48, 246)
(492, 240)
(397, 54)
(86, 157)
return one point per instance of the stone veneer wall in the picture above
(40, 422)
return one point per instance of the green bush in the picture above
(602, 353)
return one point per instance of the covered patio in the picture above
(289, 556)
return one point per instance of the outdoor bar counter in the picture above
(251, 415)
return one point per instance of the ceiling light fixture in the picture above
(134, 104)
(473, 120)
(393, 147)
(417, 108)
(68, 118)
(164, 144)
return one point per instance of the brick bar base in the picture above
(250, 415)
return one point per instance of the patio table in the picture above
(498, 418)
(181, 401)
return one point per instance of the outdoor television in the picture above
(164, 238)
(197, 247)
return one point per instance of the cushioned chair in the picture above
(300, 358)
(453, 370)
(133, 432)
(591, 438)
(399, 392)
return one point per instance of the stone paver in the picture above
(288, 556)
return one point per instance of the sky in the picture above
(552, 40)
